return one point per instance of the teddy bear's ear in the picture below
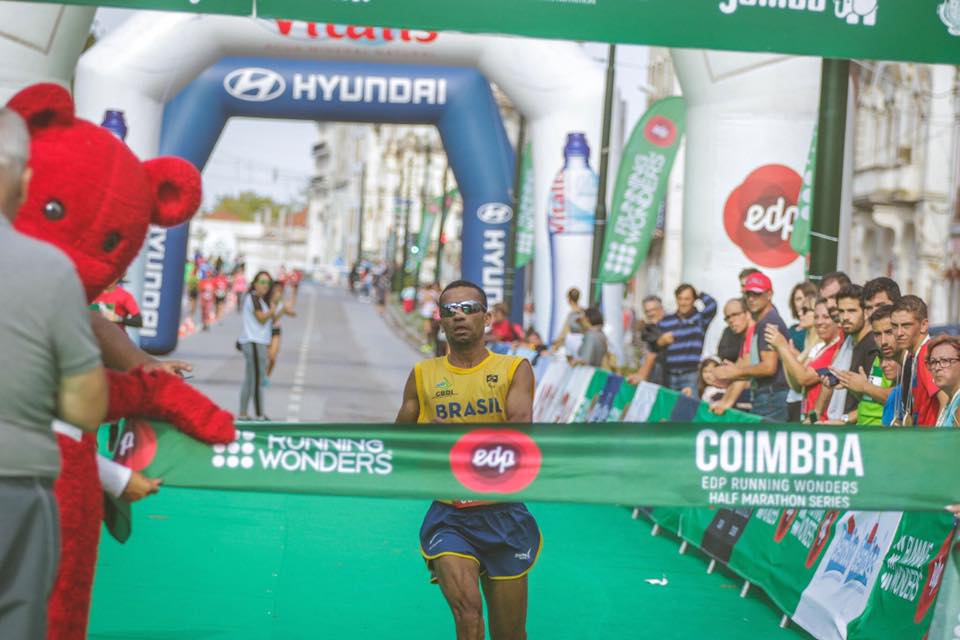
(43, 105)
(176, 188)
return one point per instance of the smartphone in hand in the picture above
(826, 373)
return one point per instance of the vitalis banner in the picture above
(734, 466)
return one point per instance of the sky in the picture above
(274, 157)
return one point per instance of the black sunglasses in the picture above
(467, 308)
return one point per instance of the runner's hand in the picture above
(140, 486)
(176, 367)
(954, 508)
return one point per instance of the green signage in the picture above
(915, 30)
(911, 30)
(693, 465)
(800, 240)
(640, 188)
(525, 219)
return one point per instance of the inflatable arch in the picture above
(455, 99)
(144, 63)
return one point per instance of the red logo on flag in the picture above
(138, 445)
(495, 460)
(660, 131)
(760, 213)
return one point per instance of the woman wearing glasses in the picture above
(943, 359)
(258, 315)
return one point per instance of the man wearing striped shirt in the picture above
(682, 335)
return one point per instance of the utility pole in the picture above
(600, 217)
(828, 175)
(511, 258)
(397, 217)
(444, 209)
(424, 194)
(363, 193)
(402, 280)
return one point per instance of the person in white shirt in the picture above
(258, 315)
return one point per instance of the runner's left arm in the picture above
(520, 395)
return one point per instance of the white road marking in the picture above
(300, 373)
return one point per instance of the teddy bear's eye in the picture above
(111, 241)
(54, 210)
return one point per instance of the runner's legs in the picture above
(459, 581)
(506, 607)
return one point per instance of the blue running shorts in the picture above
(503, 538)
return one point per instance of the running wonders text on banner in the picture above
(682, 465)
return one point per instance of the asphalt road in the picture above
(339, 362)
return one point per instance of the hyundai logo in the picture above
(254, 84)
(495, 213)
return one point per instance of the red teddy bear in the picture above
(91, 197)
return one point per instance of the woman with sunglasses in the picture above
(943, 359)
(258, 315)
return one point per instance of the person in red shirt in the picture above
(502, 330)
(118, 305)
(221, 288)
(921, 399)
(208, 288)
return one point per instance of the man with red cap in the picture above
(759, 364)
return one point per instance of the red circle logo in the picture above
(495, 460)
(138, 445)
(760, 213)
(660, 131)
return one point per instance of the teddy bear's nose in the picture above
(54, 210)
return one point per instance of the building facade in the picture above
(906, 160)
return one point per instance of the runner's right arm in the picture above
(410, 407)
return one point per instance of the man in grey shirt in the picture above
(594, 345)
(51, 369)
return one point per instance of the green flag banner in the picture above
(640, 188)
(742, 465)
(800, 238)
(911, 30)
(525, 224)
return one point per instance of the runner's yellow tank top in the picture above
(456, 395)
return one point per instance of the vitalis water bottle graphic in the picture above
(838, 592)
(570, 217)
(114, 122)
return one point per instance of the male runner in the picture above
(467, 543)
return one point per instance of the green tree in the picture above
(247, 204)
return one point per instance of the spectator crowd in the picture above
(854, 354)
